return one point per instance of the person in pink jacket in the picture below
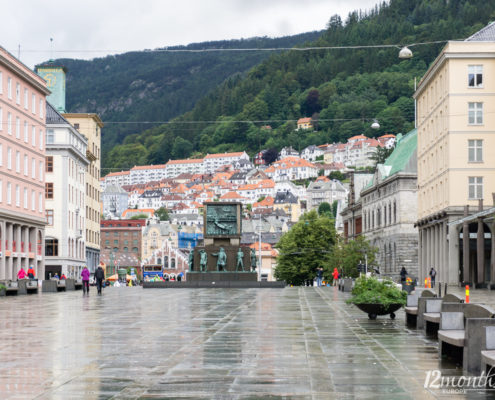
(335, 275)
(21, 274)
(85, 279)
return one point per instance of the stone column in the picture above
(3, 237)
(465, 247)
(480, 247)
(453, 255)
(9, 262)
(420, 252)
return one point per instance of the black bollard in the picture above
(439, 289)
(445, 292)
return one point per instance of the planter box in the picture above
(378, 309)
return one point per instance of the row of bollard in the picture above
(428, 286)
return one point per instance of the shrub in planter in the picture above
(377, 297)
(3, 290)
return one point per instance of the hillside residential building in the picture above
(65, 199)
(304, 123)
(90, 126)
(151, 199)
(214, 161)
(177, 167)
(291, 168)
(324, 191)
(456, 161)
(288, 152)
(115, 200)
(22, 168)
(289, 203)
(147, 173)
(389, 205)
(311, 153)
(121, 178)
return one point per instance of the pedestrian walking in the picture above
(403, 274)
(433, 274)
(335, 275)
(85, 279)
(319, 276)
(100, 277)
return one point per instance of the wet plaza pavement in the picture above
(293, 343)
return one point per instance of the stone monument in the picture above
(221, 258)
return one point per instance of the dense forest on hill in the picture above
(156, 85)
(341, 89)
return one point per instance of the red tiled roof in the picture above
(137, 167)
(219, 155)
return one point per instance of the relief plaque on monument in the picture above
(222, 220)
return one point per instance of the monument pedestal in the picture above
(194, 276)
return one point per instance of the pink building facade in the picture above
(22, 168)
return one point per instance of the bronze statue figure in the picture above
(203, 260)
(191, 260)
(253, 260)
(240, 262)
(222, 259)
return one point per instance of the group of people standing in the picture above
(319, 276)
(432, 273)
(22, 274)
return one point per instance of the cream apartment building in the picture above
(90, 126)
(456, 160)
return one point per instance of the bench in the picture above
(488, 350)
(78, 284)
(450, 302)
(461, 333)
(11, 288)
(424, 294)
(61, 285)
(27, 286)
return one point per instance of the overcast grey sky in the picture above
(78, 28)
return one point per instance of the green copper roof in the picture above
(403, 158)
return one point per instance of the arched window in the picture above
(134, 249)
(51, 247)
(115, 249)
(126, 249)
(159, 260)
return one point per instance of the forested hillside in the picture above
(341, 89)
(157, 85)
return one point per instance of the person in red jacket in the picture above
(335, 275)
(31, 272)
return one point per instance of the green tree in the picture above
(162, 214)
(181, 148)
(325, 209)
(347, 256)
(139, 216)
(381, 155)
(307, 246)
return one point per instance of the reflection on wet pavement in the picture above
(297, 343)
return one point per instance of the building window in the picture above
(9, 123)
(1, 119)
(475, 76)
(475, 150)
(9, 193)
(126, 249)
(116, 242)
(134, 249)
(9, 158)
(18, 93)
(33, 136)
(26, 132)
(41, 108)
(49, 217)
(475, 187)
(18, 161)
(51, 247)
(1, 191)
(49, 164)
(9, 87)
(1, 82)
(17, 196)
(40, 203)
(18, 128)
(48, 190)
(41, 171)
(41, 139)
(33, 168)
(50, 136)
(26, 99)
(33, 200)
(33, 103)
(25, 204)
(475, 115)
